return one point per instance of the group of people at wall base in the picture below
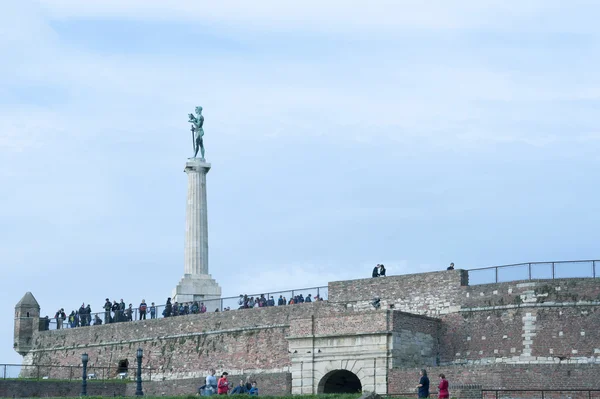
(423, 386)
(221, 386)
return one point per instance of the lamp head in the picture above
(140, 352)
(84, 357)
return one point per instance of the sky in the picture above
(341, 135)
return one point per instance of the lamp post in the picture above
(84, 360)
(138, 389)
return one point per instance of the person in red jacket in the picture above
(443, 388)
(223, 384)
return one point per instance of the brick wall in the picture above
(37, 389)
(186, 346)
(268, 384)
(501, 376)
(522, 335)
(532, 292)
(425, 293)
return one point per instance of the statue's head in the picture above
(198, 110)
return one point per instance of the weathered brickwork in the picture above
(501, 376)
(487, 334)
(429, 294)
(267, 383)
(183, 347)
(56, 389)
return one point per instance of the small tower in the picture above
(27, 320)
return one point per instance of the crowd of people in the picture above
(184, 308)
(117, 311)
(246, 302)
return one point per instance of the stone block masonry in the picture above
(504, 335)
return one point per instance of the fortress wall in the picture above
(522, 335)
(532, 291)
(352, 323)
(501, 376)
(415, 323)
(184, 346)
(428, 294)
(415, 340)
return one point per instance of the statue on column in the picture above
(197, 132)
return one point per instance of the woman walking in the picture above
(443, 388)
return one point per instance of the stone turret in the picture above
(27, 320)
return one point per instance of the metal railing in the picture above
(534, 271)
(540, 393)
(210, 305)
(72, 373)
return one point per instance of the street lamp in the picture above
(138, 389)
(84, 360)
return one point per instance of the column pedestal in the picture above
(196, 284)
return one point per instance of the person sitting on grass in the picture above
(240, 389)
(254, 389)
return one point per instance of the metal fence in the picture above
(541, 393)
(211, 305)
(534, 271)
(72, 373)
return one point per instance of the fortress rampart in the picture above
(502, 335)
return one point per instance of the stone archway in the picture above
(339, 381)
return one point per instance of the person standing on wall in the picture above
(451, 267)
(443, 388)
(423, 385)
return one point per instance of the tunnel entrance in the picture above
(340, 381)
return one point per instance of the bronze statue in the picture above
(197, 131)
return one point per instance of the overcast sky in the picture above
(341, 135)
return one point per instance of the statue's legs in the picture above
(201, 145)
(196, 153)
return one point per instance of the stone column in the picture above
(196, 223)
(197, 284)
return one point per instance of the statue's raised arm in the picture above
(197, 122)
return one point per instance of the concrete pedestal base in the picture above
(201, 288)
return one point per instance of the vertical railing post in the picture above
(38, 372)
(5, 371)
(496, 394)
(318, 293)
(594, 269)
(529, 267)
(496, 269)
(542, 394)
(552, 270)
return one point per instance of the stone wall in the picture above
(38, 389)
(267, 383)
(477, 330)
(415, 340)
(185, 346)
(500, 376)
(429, 294)
(522, 335)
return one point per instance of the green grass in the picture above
(329, 396)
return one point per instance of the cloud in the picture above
(341, 16)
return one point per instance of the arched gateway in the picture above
(339, 381)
